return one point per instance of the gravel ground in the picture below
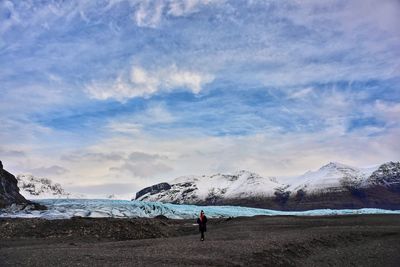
(367, 240)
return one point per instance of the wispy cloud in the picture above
(50, 171)
(299, 94)
(151, 13)
(144, 83)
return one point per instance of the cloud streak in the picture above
(151, 13)
(144, 83)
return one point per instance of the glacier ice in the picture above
(67, 208)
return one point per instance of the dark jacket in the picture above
(202, 224)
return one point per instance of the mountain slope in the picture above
(36, 188)
(334, 185)
(195, 189)
(387, 175)
(331, 177)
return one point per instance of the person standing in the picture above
(202, 222)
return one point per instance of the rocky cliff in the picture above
(9, 192)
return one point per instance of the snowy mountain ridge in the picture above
(32, 187)
(210, 188)
(331, 178)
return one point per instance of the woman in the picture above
(202, 222)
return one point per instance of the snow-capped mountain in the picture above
(194, 189)
(386, 175)
(332, 185)
(330, 177)
(32, 187)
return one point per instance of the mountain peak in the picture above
(33, 187)
(334, 165)
(247, 173)
(388, 174)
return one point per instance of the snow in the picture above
(328, 177)
(333, 176)
(32, 187)
(239, 185)
(369, 169)
(96, 208)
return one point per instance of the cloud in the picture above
(142, 170)
(103, 189)
(123, 127)
(155, 115)
(268, 153)
(387, 111)
(143, 165)
(8, 15)
(93, 156)
(299, 94)
(151, 13)
(179, 8)
(148, 13)
(144, 83)
(11, 153)
(48, 171)
(141, 156)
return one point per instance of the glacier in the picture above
(105, 208)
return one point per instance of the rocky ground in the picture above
(368, 240)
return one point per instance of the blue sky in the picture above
(121, 94)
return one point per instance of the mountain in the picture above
(330, 177)
(210, 189)
(334, 185)
(9, 193)
(36, 188)
(387, 175)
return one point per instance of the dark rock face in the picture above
(179, 193)
(9, 191)
(387, 175)
(154, 189)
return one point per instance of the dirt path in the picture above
(258, 241)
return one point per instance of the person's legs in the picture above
(202, 235)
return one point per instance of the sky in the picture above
(107, 97)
